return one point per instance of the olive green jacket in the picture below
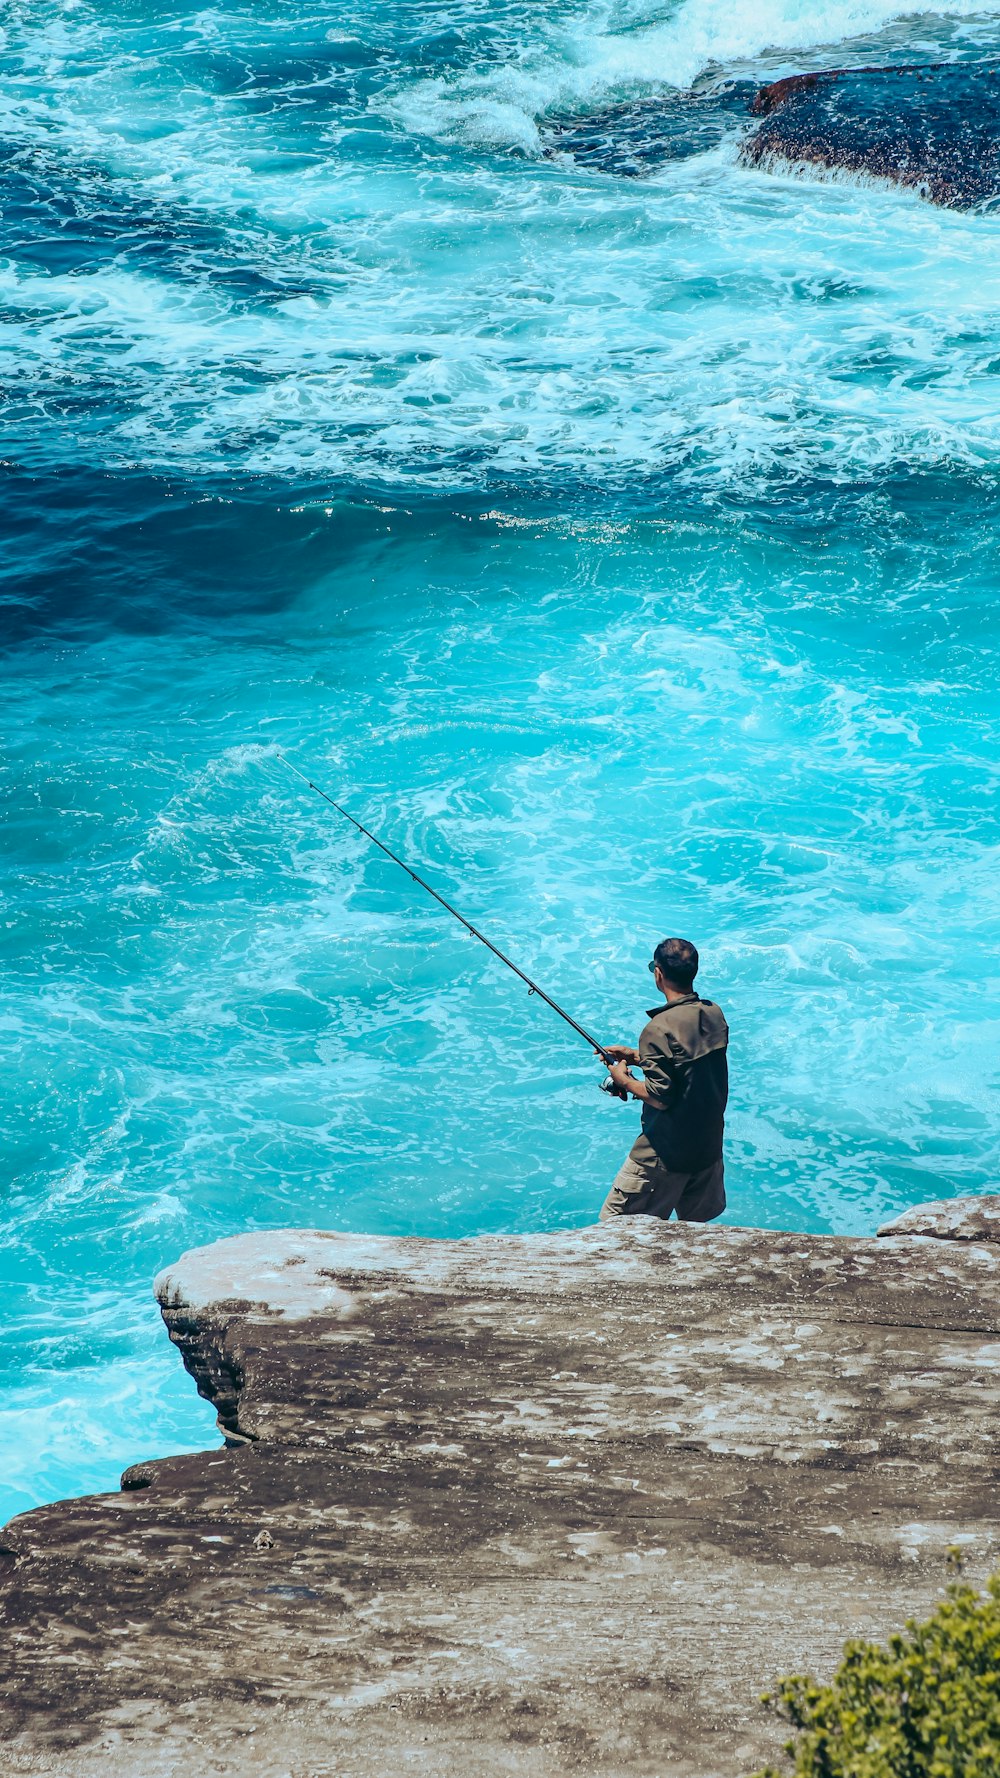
(682, 1054)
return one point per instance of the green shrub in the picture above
(928, 1706)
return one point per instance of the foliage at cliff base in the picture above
(926, 1706)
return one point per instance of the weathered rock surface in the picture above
(955, 1219)
(526, 1506)
(932, 127)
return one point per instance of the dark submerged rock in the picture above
(632, 140)
(935, 128)
(534, 1506)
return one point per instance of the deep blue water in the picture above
(625, 550)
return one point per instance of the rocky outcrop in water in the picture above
(933, 128)
(528, 1506)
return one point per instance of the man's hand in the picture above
(637, 1089)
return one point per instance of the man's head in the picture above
(675, 965)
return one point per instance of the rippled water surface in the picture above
(623, 548)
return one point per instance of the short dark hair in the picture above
(677, 960)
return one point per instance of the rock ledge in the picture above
(956, 1219)
(540, 1506)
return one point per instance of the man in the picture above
(675, 1165)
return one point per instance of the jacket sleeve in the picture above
(657, 1065)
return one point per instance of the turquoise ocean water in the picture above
(623, 549)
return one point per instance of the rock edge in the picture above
(532, 1506)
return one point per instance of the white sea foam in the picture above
(503, 320)
(599, 55)
(570, 346)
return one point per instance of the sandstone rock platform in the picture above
(519, 1506)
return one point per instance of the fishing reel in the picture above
(612, 1088)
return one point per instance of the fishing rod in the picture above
(533, 988)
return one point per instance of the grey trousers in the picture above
(648, 1188)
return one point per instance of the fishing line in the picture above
(532, 986)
